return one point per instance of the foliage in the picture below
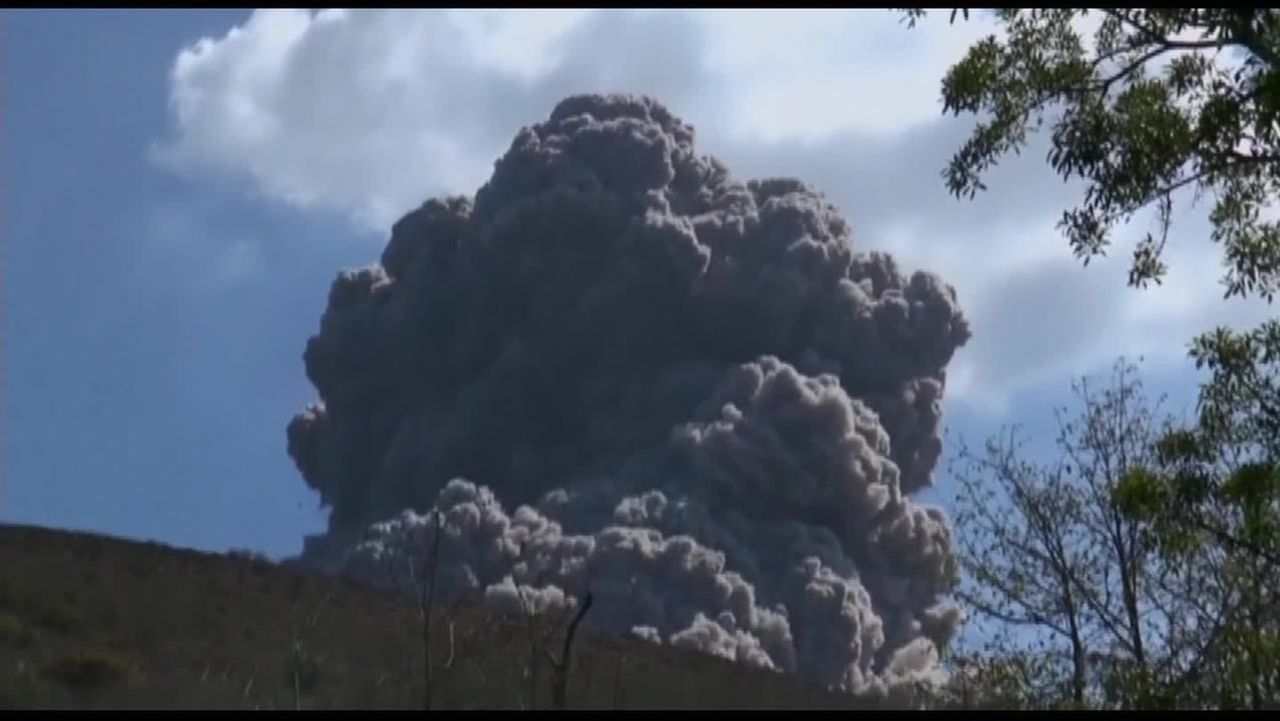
(217, 632)
(1155, 103)
(14, 631)
(23, 688)
(1140, 569)
(1148, 107)
(1052, 557)
(93, 669)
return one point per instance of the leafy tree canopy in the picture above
(1161, 101)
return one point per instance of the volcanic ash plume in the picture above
(618, 369)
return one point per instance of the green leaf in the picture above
(1140, 493)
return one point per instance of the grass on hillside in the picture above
(89, 621)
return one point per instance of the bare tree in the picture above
(1020, 526)
(561, 665)
(540, 642)
(414, 569)
(617, 681)
(425, 591)
(303, 666)
(1048, 551)
(535, 645)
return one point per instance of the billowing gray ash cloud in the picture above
(618, 368)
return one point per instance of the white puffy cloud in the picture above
(370, 112)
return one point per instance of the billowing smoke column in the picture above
(683, 392)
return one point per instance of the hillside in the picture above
(89, 621)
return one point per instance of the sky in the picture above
(179, 188)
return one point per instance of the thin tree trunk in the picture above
(564, 664)
(1079, 658)
(1255, 665)
(428, 611)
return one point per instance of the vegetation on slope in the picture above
(89, 621)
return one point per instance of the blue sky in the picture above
(144, 394)
(172, 211)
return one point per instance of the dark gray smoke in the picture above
(701, 402)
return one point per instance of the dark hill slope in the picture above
(94, 621)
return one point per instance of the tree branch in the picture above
(563, 664)
(1248, 38)
(427, 609)
(1228, 538)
